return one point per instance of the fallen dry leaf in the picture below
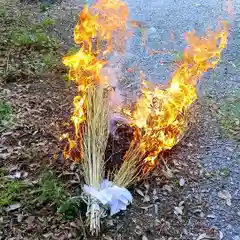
(146, 198)
(167, 187)
(19, 218)
(167, 173)
(30, 221)
(4, 156)
(178, 210)
(107, 237)
(204, 236)
(147, 207)
(13, 207)
(47, 235)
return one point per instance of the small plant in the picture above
(46, 22)
(50, 61)
(71, 208)
(10, 190)
(5, 112)
(50, 190)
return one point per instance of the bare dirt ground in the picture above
(35, 182)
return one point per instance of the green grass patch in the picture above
(5, 113)
(10, 190)
(50, 190)
(28, 48)
(34, 37)
(3, 12)
(47, 22)
(230, 116)
(50, 61)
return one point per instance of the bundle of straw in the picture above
(95, 138)
(131, 168)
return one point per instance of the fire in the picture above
(101, 22)
(101, 29)
(159, 116)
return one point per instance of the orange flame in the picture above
(159, 115)
(100, 30)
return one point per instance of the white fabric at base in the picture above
(115, 197)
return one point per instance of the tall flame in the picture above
(159, 116)
(101, 29)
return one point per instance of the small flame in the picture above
(159, 116)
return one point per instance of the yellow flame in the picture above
(159, 115)
(100, 30)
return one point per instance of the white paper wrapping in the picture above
(115, 197)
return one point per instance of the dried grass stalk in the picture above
(94, 144)
(131, 167)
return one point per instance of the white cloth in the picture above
(115, 197)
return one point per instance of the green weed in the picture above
(3, 12)
(71, 208)
(46, 22)
(10, 190)
(5, 113)
(50, 190)
(50, 61)
(33, 38)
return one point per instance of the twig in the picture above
(8, 55)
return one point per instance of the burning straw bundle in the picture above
(158, 117)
